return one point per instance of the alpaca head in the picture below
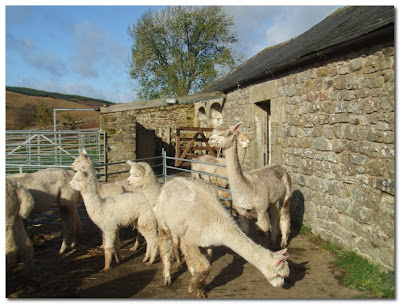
(140, 172)
(244, 139)
(223, 136)
(79, 181)
(82, 162)
(276, 272)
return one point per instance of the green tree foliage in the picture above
(43, 115)
(180, 50)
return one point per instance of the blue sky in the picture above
(84, 50)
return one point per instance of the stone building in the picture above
(142, 129)
(322, 106)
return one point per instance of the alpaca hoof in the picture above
(105, 269)
(149, 263)
(201, 294)
(197, 292)
(134, 247)
(283, 244)
(178, 265)
(167, 280)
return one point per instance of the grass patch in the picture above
(359, 272)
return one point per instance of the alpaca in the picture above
(262, 189)
(188, 210)
(142, 178)
(83, 162)
(50, 186)
(243, 143)
(19, 203)
(115, 211)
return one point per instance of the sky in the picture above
(84, 49)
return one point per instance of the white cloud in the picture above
(295, 21)
(259, 27)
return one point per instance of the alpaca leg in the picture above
(109, 242)
(199, 267)
(147, 254)
(149, 232)
(102, 240)
(117, 245)
(165, 242)
(285, 222)
(274, 220)
(11, 248)
(243, 216)
(263, 220)
(177, 254)
(25, 247)
(72, 225)
(138, 242)
(244, 224)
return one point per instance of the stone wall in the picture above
(121, 129)
(122, 122)
(333, 130)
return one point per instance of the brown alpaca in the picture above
(261, 189)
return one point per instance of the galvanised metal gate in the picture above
(31, 150)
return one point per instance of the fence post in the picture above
(164, 160)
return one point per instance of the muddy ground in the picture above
(78, 273)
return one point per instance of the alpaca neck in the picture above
(241, 153)
(247, 249)
(233, 167)
(91, 196)
(152, 191)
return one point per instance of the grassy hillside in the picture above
(19, 108)
(76, 98)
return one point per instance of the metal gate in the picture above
(31, 150)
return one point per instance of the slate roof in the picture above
(343, 25)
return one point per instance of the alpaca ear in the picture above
(130, 163)
(237, 127)
(147, 168)
(83, 153)
(281, 260)
(143, 167)
(282, 251)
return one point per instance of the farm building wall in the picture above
(142, 129)
(122, 128)
(332, 128)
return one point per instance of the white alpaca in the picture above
(19, 204)
(188, 210)
(142, 178)
(116, 211)
(50, 186)
(84, 163)
(262, 189)
(243, 142)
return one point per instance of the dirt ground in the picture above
(78, 274)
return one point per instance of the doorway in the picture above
(263, 130)
(145, 143)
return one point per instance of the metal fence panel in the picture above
(31, 150)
